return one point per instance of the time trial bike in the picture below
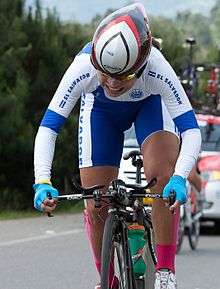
(125, 208)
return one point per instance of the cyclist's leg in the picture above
(100, 150)
(160, 153)
(156, 133)
(94, 218)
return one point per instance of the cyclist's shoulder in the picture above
(87, 49)
(157, 61)
(158, 70)
(83, 56)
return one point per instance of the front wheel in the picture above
(193, 234)
(116, 253)
(181, 232)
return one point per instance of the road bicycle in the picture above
(124, 208)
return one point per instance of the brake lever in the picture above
(85, 191)
(171, 200)
(50, 215)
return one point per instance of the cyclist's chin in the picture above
(115, 92)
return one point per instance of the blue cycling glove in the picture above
(178, 185)
(41, 194)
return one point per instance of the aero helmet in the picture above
(122, 42)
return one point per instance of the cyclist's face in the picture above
(114, 87)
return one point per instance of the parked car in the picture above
(210, 130)
(209, 167)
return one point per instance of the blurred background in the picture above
(38, 41)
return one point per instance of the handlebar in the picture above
(88, 193)
(117, 189)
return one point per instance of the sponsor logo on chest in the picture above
(136, 94)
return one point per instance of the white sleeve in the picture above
(190, 148)
(75, 81)
(43, 153)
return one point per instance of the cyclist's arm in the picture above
(68, 92)
(180, 109)
(190, 148)
(195, 179)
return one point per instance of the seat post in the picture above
(138, 163)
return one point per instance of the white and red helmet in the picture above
(122, 41)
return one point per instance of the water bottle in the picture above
(136, 243)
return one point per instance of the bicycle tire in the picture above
(181, 232)
(151, 245)
(115, 245)
(193, 234)
(150, 257)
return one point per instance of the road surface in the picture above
(53, 253)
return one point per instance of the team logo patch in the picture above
(136, 94)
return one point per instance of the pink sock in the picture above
(166, 253)
(166, 257)
(97, 261)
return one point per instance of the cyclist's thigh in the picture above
(99, 175)
(100, 139)
(158, 138)
(102, 175)
(160, 152)
(100, 144)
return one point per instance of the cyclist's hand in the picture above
(176, 184)
(42, 202)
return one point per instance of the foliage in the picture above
(34, 55)
(167, 30)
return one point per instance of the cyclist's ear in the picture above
(157, 43)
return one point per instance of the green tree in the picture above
(197, 26)
(215, 16)
(172, 40)
(16, 133)
(34, 56)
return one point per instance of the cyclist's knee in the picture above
(161, 176)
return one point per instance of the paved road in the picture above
(52, 253)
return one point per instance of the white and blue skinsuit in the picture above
(156, 102)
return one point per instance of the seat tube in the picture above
(138, 171)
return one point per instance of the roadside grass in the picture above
(64, 208)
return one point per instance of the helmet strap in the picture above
(139, 73)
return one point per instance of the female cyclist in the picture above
(123, 80)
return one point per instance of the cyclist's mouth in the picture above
(114, 90)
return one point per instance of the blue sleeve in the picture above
(53, 120)
(186, 121)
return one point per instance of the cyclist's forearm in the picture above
(195, 179)
(44, 153)
(191, 144)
